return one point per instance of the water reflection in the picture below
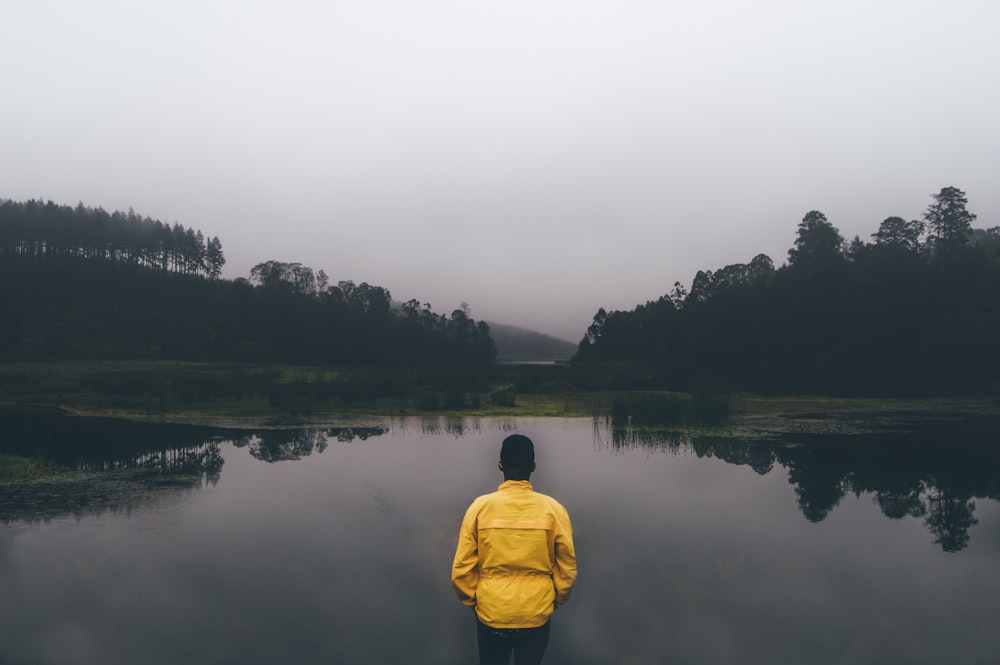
(112, 485)
(286, 445)
(934, 472)
(100, 443)
(702, 556)
(456, 426)
(104, 465)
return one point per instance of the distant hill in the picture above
(521, 344)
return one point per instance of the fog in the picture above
(537, 160)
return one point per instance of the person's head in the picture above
(517, 457)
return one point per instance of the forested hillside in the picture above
(516, 344)
(915, 310)
(83, 283)
(40, 232)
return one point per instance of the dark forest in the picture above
(82, 283)
(914, 311)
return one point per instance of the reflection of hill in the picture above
(102, 464)
(934, 472)
(97, 443)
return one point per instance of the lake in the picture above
(173, 544)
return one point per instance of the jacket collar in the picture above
(514, 485)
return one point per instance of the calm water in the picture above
(335, 546)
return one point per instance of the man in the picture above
(515, 562)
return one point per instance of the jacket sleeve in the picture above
(564, 571)
(465, 568)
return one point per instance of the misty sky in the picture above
(536, 159)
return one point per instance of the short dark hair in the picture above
(517, 451)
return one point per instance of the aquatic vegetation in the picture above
(14, 468)
(668, 409)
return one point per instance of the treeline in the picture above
(913, 311)
(362, 318)
(46, 232)
(84, 284)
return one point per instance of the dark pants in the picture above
(496, 644)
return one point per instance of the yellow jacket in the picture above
(515, 561)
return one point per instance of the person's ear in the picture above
(532, 467)
(500, 466)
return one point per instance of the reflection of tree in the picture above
(280, 445)
(93, 487)
(897, 503)
(760, 458)
(205, 459)
(933, 473)
(456, 426)
(819, 475)
(348, 434)
(949, 519)
(627, 439)
(430, 425)
(284, 445)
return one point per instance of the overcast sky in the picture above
(538, 160)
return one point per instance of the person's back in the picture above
(515, 561)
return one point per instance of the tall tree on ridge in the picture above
(948, 221)
(818, 244)
(895, 233)
(214, 258)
